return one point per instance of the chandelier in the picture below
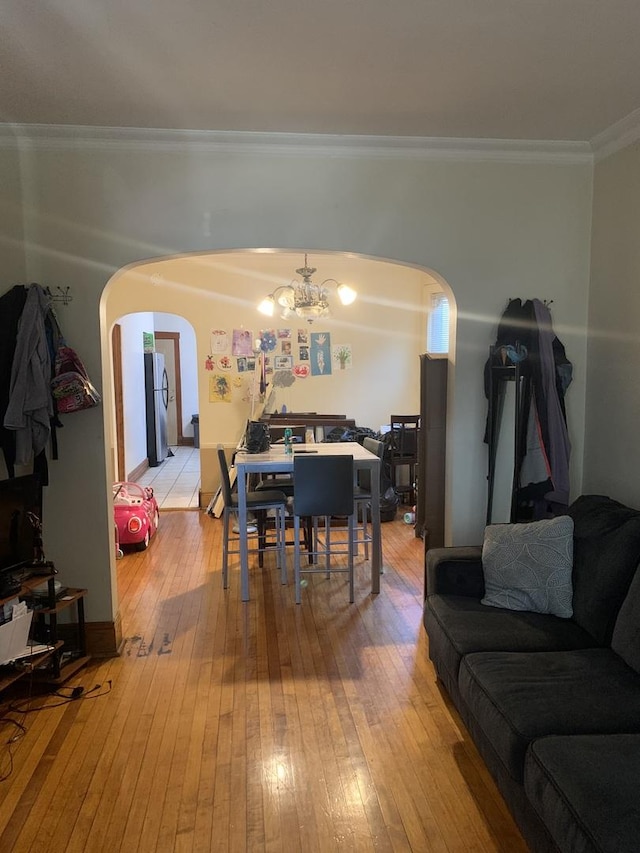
(305, 299)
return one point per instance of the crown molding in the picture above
(73, 137)
(619, 135)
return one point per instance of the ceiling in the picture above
(492, 69)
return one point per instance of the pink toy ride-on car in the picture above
(136, 514)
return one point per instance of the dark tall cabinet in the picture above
(431, 450)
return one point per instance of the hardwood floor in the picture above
(262, 726)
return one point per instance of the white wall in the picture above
(12, 247)
(188, 364)
(612, 449)
(133, 326)
(493, 230)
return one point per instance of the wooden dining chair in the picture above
(323, 488)
(258, 503)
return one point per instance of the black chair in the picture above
(284, 482)
(258, 503)
(405, 430)
(323, 488)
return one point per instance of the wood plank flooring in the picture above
(259, 726)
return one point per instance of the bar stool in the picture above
(259, 503)
(323, 488)
(362, 496)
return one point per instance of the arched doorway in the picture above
(219, 291)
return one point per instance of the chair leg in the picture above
(261, 524)
(315, 540)
(365, 529)
(362, 512)
(296, 556)
(307, 531)
(327, 543)
(280, 522)
(225, 548)
(351, 528)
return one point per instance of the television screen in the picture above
(20, 521)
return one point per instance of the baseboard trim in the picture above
(104, 639)
(138, 471)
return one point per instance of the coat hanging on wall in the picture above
(528, 353)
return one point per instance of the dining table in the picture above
(277, 461)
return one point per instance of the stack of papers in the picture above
(14, 634)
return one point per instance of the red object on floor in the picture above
(136, 515)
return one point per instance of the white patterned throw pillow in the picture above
(528, 566)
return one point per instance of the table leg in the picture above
(242, 534)
(376, 534)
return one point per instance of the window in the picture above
(438, 324)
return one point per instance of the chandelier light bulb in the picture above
(346, 294)
(267, 306)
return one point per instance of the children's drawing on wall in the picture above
(224, 362)
(268, 340)
(320, 352)
(342, 356)
(209, 363)
(303, 353)
(242, 342)
(283, 378)
(301, 371)
(219, 388)
(303, 336)
(219, 341)
(250, 391)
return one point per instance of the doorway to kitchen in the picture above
(175, 478)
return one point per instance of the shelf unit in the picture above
(50, 666)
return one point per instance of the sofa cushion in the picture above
(516, 697)
(528, 566)
(585, 790)
(626, 634)
(458, 625)
(606, 552)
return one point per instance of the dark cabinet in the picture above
(432, 450)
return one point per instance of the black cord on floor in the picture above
(75, 693)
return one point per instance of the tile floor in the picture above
(175, 483)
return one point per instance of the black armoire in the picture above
(431, 450)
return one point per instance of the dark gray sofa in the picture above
(552, 704)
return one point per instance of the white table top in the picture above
(276, 455)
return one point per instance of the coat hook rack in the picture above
(60, 294)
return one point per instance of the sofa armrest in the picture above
(454, 571)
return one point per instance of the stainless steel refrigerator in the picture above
(156, 385)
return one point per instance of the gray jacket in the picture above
(30, 404)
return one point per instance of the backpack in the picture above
(257, 438)
(71, 387)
